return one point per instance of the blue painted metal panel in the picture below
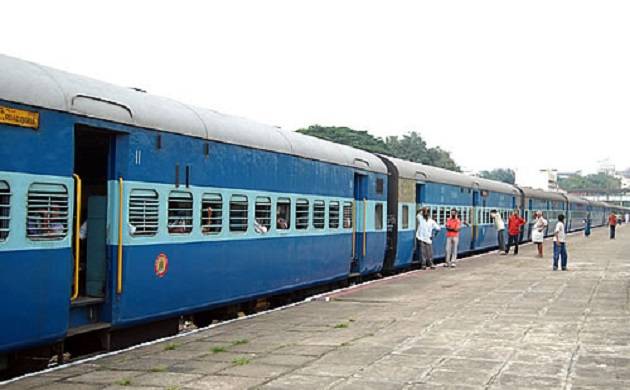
(405, 248)
(202, 275)
(36, 297)
(47, 150)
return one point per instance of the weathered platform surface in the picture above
(493, 322)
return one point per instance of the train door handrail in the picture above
(354, 228)
(119, 263)
(364, 225)
(77, 237)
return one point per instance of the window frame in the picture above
(5, 211)
(348, 206)
(334, 215)
(302, 211)
(260, 202)
(207, 228)
(64, 195)
(237, 200)
(284, 201)
(378, 222)
(405, 216)
(171, 226)
(319, 214)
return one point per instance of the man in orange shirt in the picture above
(514, 230)
(453, 225)
(612, 222)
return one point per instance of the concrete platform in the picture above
(492, 322)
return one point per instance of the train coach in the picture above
(413, 186)
(123, 210)
(551, 204)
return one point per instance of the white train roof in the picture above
(576, 199)
(421, 172)
(32, 84)
(542, 194)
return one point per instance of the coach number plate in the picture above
(22, 118)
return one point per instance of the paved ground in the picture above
(493, 322)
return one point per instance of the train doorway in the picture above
(360, 228)
(93, 157)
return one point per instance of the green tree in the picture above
(598, 181)
(347, 136)
(409, 147)
(504, 175)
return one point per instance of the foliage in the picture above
(410, 146)
(599, 181)
(504, 175)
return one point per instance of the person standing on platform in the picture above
(453, 225)
(514, 230)
(500, 226)
(587, 225)
(560, 244)
(612, 222)
(424, 235)
(538, 231)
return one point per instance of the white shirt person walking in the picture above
(424, 234)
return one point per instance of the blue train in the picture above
(121, 211)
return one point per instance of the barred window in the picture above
(144, 212)
(347, 215)
(180, 212)
(5, 208)
(405, 217)
(262, 222)
(333, 215)
(47, 212)
(238, 213)
(283, 214)
(319, 214)
(301, 214)
(378, 216)
(211, 213)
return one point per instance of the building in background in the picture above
(544, 179)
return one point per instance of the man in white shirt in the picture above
(424, 234)
(500, 226)
(559, 244)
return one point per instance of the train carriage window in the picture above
(301, 214)
(47, 212)
(405, 217)
(283, 214)
(262, 215)
(180, 212)
(347, 215)
(378, 216)
(238, 213)
(211, 213)
(333, 215)
(143, 212)
(5, 208)
(319, 214)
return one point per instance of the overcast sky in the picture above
(532, 84)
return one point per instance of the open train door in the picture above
(94, 173)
